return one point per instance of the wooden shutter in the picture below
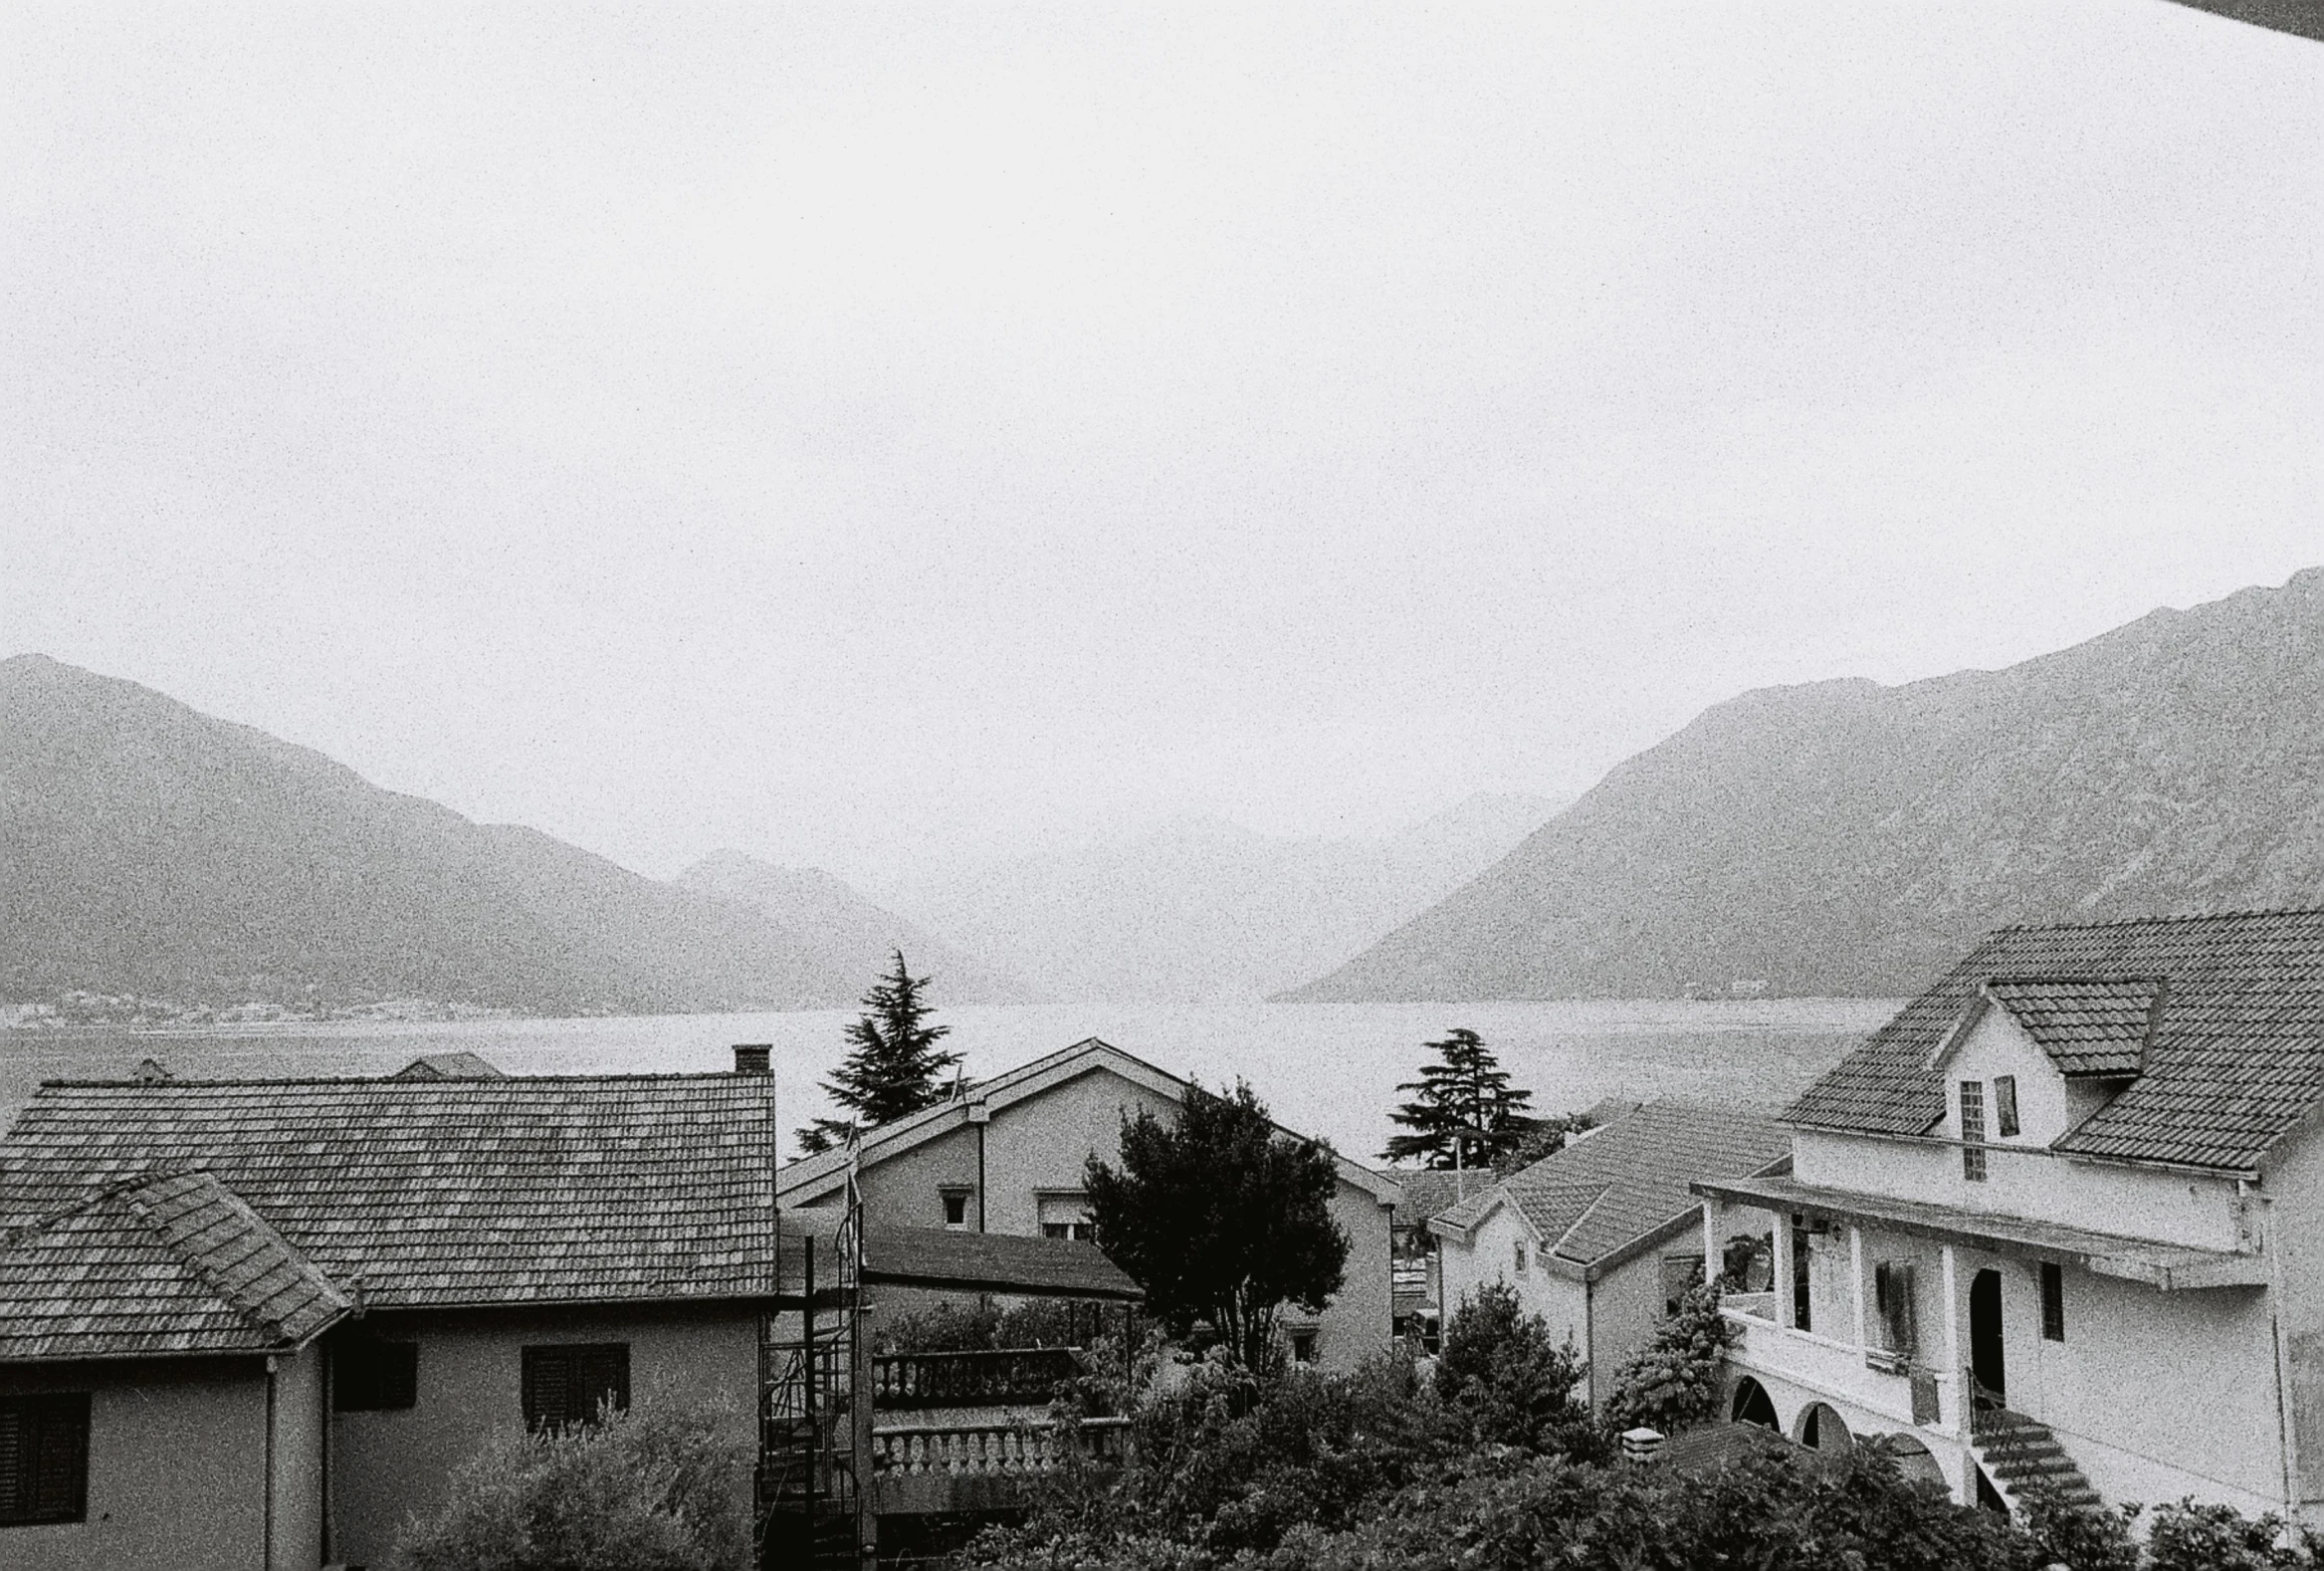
(44, 1457)
(565, 1385)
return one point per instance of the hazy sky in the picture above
(866, 433)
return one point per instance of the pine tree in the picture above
(1464, 1104)
(893, 1067)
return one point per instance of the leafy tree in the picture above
(894, 1067)
(1673, 1382)
(1513, 1384)
(1220, 1218)
(1462, 1104)
(1543, 1137)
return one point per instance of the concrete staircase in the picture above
(2021, 1456)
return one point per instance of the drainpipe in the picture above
(267, 1527)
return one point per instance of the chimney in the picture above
(750, 1057)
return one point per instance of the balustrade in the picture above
(917, 1449)
(980, 1378)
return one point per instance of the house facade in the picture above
(262, 1323)
(1601, 1239)
(1008, 1156)
(2061, 1220)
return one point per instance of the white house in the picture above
(1007, 1155)
(1600, 1240)
(2063, 1217)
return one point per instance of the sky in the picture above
(883, 437)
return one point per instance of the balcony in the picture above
(973, 1432)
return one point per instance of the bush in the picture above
(659, 1489)
(2191, 1537)
(950, 1327)
(1673, 1382)
(1510, 1382)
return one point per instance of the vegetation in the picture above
(1222, 1219)
(1673, 1383)
(664, 1487)
(949, 1326)
(894, 1068)
(1508, 1382)
(1463, 1112)
(1543, 1137)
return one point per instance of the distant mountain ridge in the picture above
(1200, 910)
(1848, 839)
(150, 849)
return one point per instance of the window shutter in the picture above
(15, 1460)
(59, 1472)
(548, 1382)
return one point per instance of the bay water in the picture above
(1323, 1068)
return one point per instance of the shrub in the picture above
(2191, 1537)
(1513, 1385)
(2087, 1539)
(659, 1489)
(948, 1326)
(1673, 1382)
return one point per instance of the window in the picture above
(1078, 1232)
(44, 1459)
(370, 1376)
(2005, 1104)
(1973, 1130)
(1681, 1274)
(1892, 1299)
(566, 1385)
(955, 1208)
(2053, 1301)
(1303, 1347)
(1517, 1249)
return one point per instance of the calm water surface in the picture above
(1326, 1069)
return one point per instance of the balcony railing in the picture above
(983, 1378)
(990, 1450)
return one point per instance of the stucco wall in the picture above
(2292, 1180)
(1039, 1144)
(300, 1421)
(1490, 1256)
(388, 1465)
(176, 1470)
(2141, 1202)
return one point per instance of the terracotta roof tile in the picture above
(2095, 1026)
(2235, 1061)
(157, 1265)
(446, 1191)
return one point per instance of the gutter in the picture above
(1946, 1142)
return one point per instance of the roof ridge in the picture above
(2240, 913)
(1604, 1188)
(415, 1086)
(24, 1233)
(201, 1267)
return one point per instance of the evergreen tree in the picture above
(1222, 1218)
(1463, 1104)
(893, 1067)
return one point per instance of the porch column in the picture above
(1856, 1284)
(1955, 1361)
(1711, 1244)
(1784, 1316)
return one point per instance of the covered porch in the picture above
(1969, 1338)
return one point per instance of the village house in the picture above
(2061, 1219)
(1603, 1238)
(1007, 1155)
(258, 1323)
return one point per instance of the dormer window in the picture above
(1973, 1130)
(2005, 1105)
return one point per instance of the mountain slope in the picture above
(856, 935)
(1844, 837)
(1202, 910)
(146, 848)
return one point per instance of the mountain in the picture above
(859, 935)
(147, 849)
(1849, 839)
(1200, 910)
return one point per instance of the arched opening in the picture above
(1914, 1464)
(1820, 1429)
(1753, 1405)
(1984, 1340)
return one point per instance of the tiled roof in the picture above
(1430, 1192)
(2237, 1058)
(994, 1263)
(1602, 1195)
(527, 1189)
(449, 1066)
(159, 1264)
(2096, 1026)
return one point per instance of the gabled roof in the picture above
(156, 1265)
(1431, 1192)
(2088, 1025)
(811, 1174)
(450, 1067)
(440, 1193)
(2234, 1061)
(1600, 1200)
(994, 1263)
